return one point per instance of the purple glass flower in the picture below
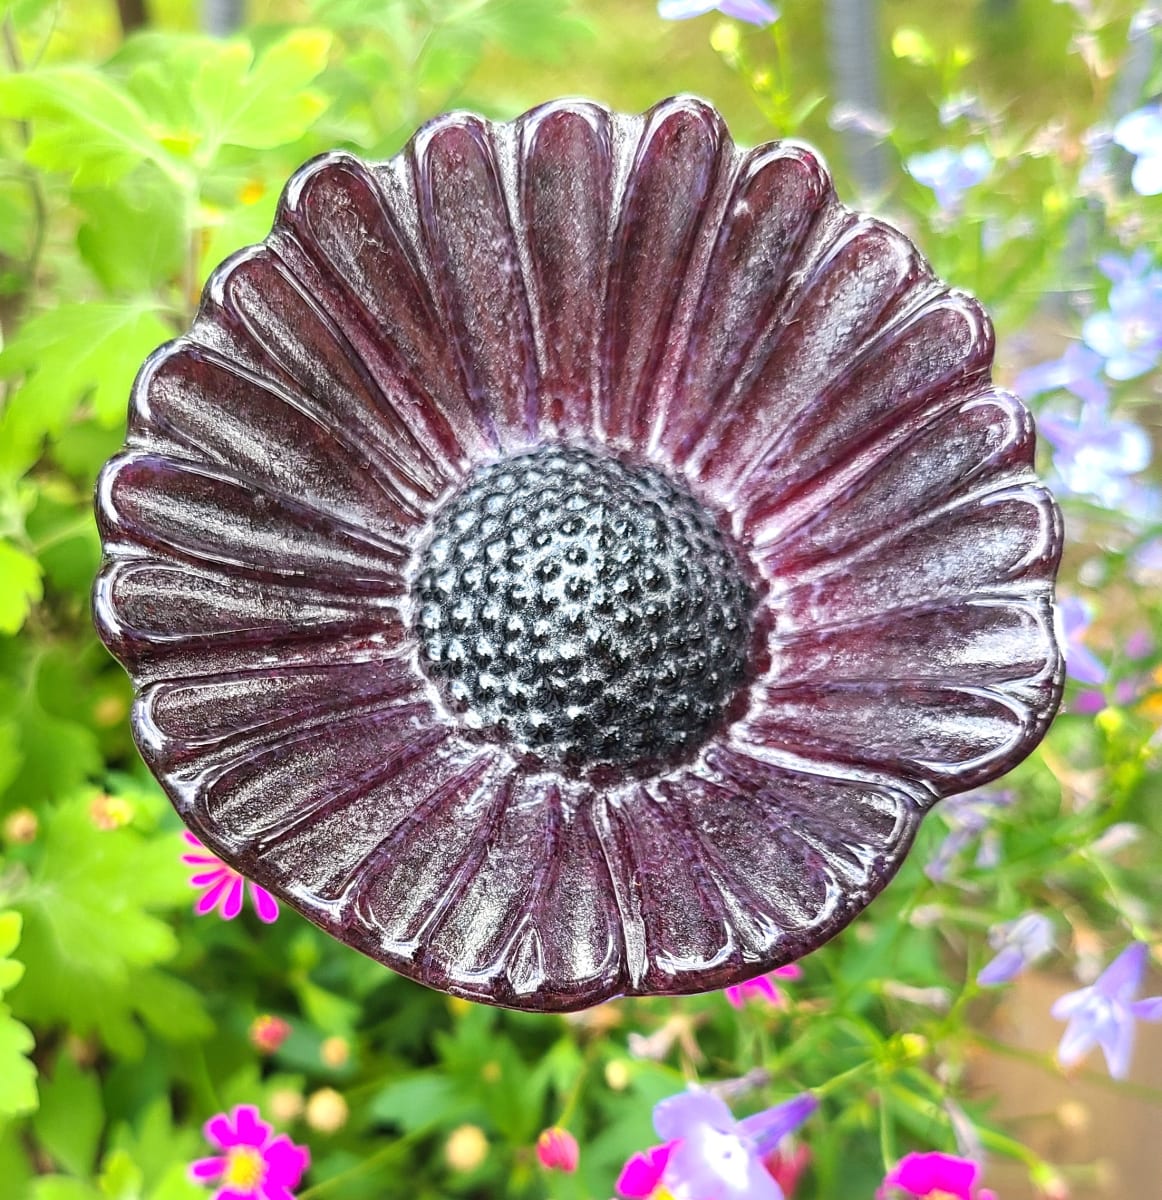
(1104, 1013)
(1018, 944)
(570, 558)
(706, 1153)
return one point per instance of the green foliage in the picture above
(17, 1074)
(91, 929)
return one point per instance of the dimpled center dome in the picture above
(583, 610)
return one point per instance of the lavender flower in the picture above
(950, 173)
(706, 1152)
(1019, 944)
(1140, 133)
(1077, 370)
(1128, 333)
(969, 816)
(1080, 662)
(1104, 1013)
(755, 12)
(1095, 453)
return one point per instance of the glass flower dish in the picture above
(568, 560)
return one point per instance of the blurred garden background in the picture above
(1019, 142)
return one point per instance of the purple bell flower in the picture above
(1104, 1013)
(1019, 944)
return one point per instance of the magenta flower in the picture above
(755, 12)
(764, 987)
(1018, 944)
(223, 886)
(255, 1164)
(557, 1150)
(707, 1155)
(1104, 1013)
(570, 559)
(936, 1176)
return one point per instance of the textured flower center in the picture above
(245, 1168)
(583, 610)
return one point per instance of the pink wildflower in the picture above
(764, 987)
(786, 1165)
(936, 1175)
(255, 1165)
(557, 1150)
(268, 1032)
(223, 886)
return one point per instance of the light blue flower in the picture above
(1076, 371)
(1018, 944)
(1140, 133)
(950, 173)
(1128, 332)
(1095, 453)
(756, 12)
(1104, 1014)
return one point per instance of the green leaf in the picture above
(71, 1116)
(120, 1178)
(74, 352)
(50, 754)
(60, 1187)
(20, 587)
(15, 1169)
(132, 239)
(90, 933)
(422, 1102)
(85, 124)
(260, 104)
(17, 1073)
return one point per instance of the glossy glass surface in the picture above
(639, 287)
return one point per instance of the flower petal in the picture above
(680, 10)
(641, 1176)
(566, 187)
(466, 229)
(680, 1116)
(1123, 977)
(265, 904)
(677, 164)
(354, 224)
(232, 904)
(203, 1169)
(781, 196)
(210, 899)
